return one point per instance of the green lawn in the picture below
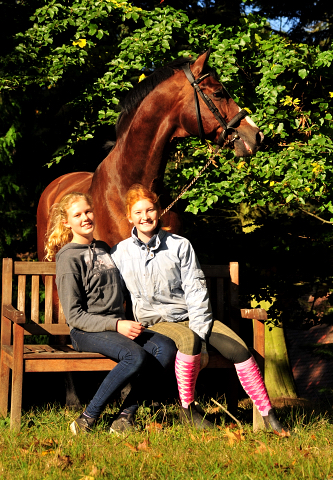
(164, 449)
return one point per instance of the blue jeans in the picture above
(131, 355)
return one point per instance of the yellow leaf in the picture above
(235, 436)
(47, 452)
(142, 77)
(331, 94)
(288, 100)
(271, 183)
(82, 42)
(240, 165)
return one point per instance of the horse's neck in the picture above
(139, 150)
(138, 157)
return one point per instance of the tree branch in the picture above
(313, 215)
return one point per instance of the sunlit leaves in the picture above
(286, 86)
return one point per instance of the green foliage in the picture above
(288, 88)
(285, 84)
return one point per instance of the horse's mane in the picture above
(142, 89)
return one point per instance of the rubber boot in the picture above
(271, 421)
(191, 416)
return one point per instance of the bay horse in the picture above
(156, 111)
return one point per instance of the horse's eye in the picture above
(218, 94)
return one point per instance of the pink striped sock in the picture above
(253, 383)
(187, 368)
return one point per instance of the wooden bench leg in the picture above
(17, 379)
(4, 390)
(258, 423)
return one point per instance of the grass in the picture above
(164, 449)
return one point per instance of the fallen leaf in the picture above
(131, 447)
(47, 452)
(154, 427)
(193, 437)
(94, 471)
(263, 448)
(209, 438)
(313, 437)
(235, 436)
(232, 425)
(283, 433)
(211, 410)
(143, 445)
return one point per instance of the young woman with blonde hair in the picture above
(90, 292)
(169, 295)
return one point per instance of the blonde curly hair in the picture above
(58, 235)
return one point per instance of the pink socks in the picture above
(253, 383)
(187, 368)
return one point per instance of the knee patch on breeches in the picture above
(229, 347)
(186, 340)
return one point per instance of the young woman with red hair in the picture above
(169, 295)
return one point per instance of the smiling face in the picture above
(144, 215)
(81, 220)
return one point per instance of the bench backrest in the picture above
(28, 279)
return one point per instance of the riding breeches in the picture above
(222, 338)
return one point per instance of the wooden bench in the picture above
(17, 323)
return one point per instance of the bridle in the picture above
(227, 127)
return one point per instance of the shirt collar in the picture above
(153, 243)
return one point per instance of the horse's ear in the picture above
(200, 63)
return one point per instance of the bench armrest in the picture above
(254, 313)
(16, 316)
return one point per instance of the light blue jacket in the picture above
(165, 281)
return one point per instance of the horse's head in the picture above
(211, 113)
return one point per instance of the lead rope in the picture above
(211, 160)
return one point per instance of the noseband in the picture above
(227, 127)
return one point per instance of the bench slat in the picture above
(70, 365)
(48, 299)
(35, 298)
(34, 268)
(21, 284)
(44, 352)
